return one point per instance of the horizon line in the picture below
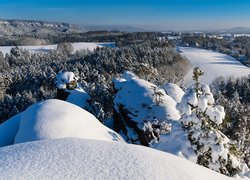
(140, 27)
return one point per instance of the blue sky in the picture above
(152, 14)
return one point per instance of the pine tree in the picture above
(201, 119)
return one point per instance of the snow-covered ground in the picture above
(213, 64)
(46, 48)
(72, 158)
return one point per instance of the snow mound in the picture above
(72, 158)
(213, 64)
(143, 99)
(173, 91)
(54, 119)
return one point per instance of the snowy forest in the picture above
(136, 88)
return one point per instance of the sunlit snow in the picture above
(213, 64)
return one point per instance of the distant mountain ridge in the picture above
(19, 27)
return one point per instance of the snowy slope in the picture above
(46, 48)
(73, 158)
(213, 64)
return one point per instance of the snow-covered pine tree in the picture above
(201, 119)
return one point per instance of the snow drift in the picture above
(73, 158)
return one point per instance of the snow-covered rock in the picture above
(173, 91)
(58, 119)
(144, 100)
(138, 102)
(73, 158)
(68, 89)
(65, 78)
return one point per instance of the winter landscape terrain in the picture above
(125, 106)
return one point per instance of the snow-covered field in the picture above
(213, 64)
(46, 48)
(72, 158)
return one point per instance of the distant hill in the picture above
(19, 27)
(122, 28)
(239, 30)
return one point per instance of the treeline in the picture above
(26, 77)
(121, 38)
